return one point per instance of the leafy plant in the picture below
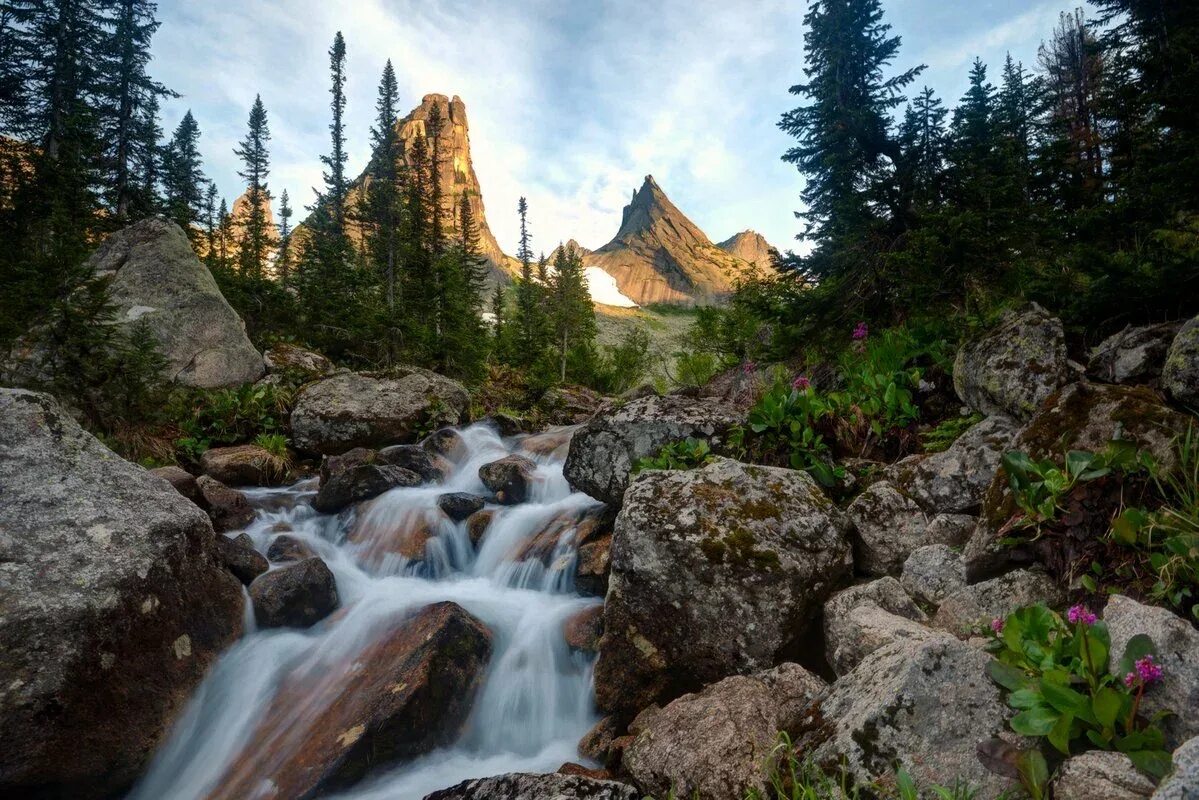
(784, 422)
(694, 368)
(209, 418)
(939, 439)
(1056, 673)
(684, 454)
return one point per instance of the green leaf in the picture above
(906, 786)
(1107, 705)
(1035, 722)
(1137, 648)
(1059, 737)
(1025, 698)
(1154, 763)
(1007, 676)
(1063, 698)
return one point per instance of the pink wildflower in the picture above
(997, 625)
(860, 331)
(1148, 671)
(801, 383)
(1082, 614)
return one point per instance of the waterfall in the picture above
(391, 556)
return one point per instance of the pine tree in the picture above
(337, 186)
(211, 222)
(572, 315)
(924, 140)
(527, 339)
(256, 166)
(183, 180)
(283, 262)
(1073, 80)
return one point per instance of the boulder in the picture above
(354, 409)
(407, 691)
(593, 562)
(156, 278)
(923, 704)
(889, 526)
(431, 467)
(932, 573)
(363, 482)
(510, 478)
(228, 508)
(244, 465)
(460, 505)
(1100, 775)
(182, 480)
(284, 548)
(1134, 355)
(604, 451)
(597, 743)
(477, 524)
(582, 630)
(1013, 367)
(113, 605)
(715, 571)
(1177, 644)
(239, 557)
(1180, 375)
(332, 466)
(716, 744)
(1183, 782)
(972, 608)
(569, 405)
(531, 786)
(288, 360)
(445, 442)
(844, 633)
(295, 596)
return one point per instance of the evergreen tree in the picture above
(283, 262)
(527, 334)
(924, 141)
(256, 166)
(183, 180)
(337, 186)
(572, 316)
(211, 222)
(1073, 80)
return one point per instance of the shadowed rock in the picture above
(296, 596)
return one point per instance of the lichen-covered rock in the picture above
(296, 596)
(715, 571)
(360, 483)
(604, 451)
(848, 637)
(1183, 782)
(1012, 368)
(183, 481)
(459, 505)
(973, 607)
(510, 478)
(113, 605)
(228, 508)
(1100, 775)
(286, 359)
(353, 409)
(530, 786)
(239, 557)
(582, 629)
(923, 704)
(1134, 355)
(1177, 652)
(1180, 375)
(954, 480)
(932, 573)
(889, 526)
(714, 743)
(244, 465)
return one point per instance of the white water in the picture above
(535, 701)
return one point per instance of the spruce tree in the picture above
(337, 186)
(924, 139)
(256, 166)
(572, 316)
(527, 339)
(183, 180)
(283, 262)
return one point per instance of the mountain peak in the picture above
(751, 247)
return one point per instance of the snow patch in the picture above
(602, 288)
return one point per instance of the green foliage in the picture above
(784, 424)
(215, 417)
(1057, 678)
(622, 366)
(684, 454)
(939, 438)
(694, 368)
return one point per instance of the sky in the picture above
(570, 102)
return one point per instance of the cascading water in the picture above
(534, 703)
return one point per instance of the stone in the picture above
(569, 405)
(244, 465)
(582, 629)
(597, 743)
(182, 480)
(431, 467)
(604, 451)
(157, 279)
(593, 563)
(113, 606)
(477, 524)
(1134, 355)
(932, 573)
(1100, 775)
(890, 526)
(923, 704)
(239, 557)
(445, 442)
(715, 571)
(510, 478)
(1183, 782)
(407, 691)
(842, 631)
(460, 505)
(1013, 367)
(289, 360)
(228, 508)
(284, 548)
(717, 743)
(1180, 375)
(531, 786)
(298, 595)
(332, 466)
(358, 409)
(972, 608)
(360, 483)
(1177, 651)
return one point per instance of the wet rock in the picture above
(430, 467)
(459, 505)
(446, 442)
(360, 483)
(554, 442)
(604, 451)
(1015, 366)
(1134, 355)
(477, 524)
(239, 557)
(1099, 775)
(227, 508)
(844, 638)
(973, 607)
(296, 596)
(286, 548)
(1177, 644)
(244, 465)
(288, 360)
(510, 478)
(890, 526)
(505, 424)
(183, 482)
(530, 786)
(332, 466)
(924, 704)
(593, 563)
(1183, 782)
(713, 743)
(597, 743)
(354, 409)
(574, 768)
(582, 630)
(715, 571)
(932, 573)
(1180, 375)
(408, 691)
(570, 405)
(114, 605)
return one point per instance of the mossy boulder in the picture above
(1180, 375)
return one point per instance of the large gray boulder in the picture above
(972, 608)
(357, 409)
(158, 279)
(113, 604)
(1183, 782)
(932, 573)
(889, 527)
(716, 743)
(1134, 355)
(866, 617)
(714, 571)
(604, 451)
(923, 704)
(1180, 375)
(530, 786)
(1100, 775)
(1013, 367)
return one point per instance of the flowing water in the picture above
(534, 703)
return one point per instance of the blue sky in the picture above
(571, 102)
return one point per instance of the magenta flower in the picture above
(1148, 671)
(801, 383)
(1130, 679)
(860, 331)
(997, 625)
(1082, 614)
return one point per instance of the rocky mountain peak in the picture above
(751, 247)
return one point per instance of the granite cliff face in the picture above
(751, 247)
(660, 256)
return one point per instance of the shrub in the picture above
(783, 425)
(210, 417)
(684, 454)
(694, 367)
(621, 367)
(939, 438)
